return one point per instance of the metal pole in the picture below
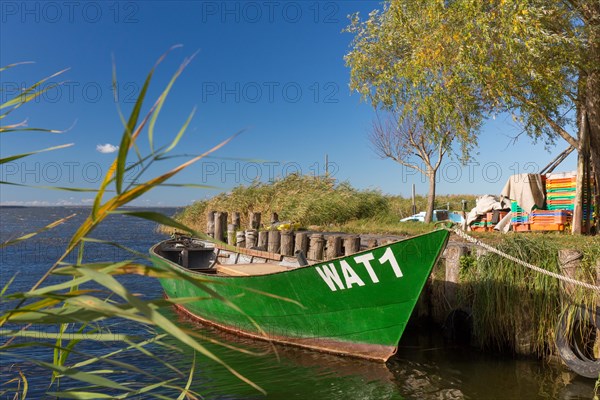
(414, 205)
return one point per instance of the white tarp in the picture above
(527, 190)
(485, 204)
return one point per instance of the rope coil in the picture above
(521, 262)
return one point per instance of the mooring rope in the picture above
(521, 262)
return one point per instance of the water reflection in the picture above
(424, 368)
(288, 372)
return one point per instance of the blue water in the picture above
(424, 368)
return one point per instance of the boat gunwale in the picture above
(204, 274)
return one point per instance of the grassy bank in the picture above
(513, 306)
(321, 203)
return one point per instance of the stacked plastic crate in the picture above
(560, 199)
(549, 220)
(560, 189)
(520, 219)
(491, 221)
(480, 223)
(560, 202)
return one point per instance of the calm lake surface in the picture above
(424, 368)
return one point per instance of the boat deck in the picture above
(249, 269)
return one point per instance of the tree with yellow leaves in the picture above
(459, 61)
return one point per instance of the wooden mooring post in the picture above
(452, 256)
(351, 244)
(287, 243)
(240, 239)
(251, 238)
(316, 247)
(210, 224)
(301, 243)
(220, 225)
(253, 220)
(274, 241)
(334, 247)
(274, 218)
(263, 240)
(231, 229)
(235, 220)
(569, 261)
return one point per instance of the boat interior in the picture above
(198, 256)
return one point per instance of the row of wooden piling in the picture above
(314, 245)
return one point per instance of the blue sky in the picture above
(273, 69)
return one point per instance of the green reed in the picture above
(75, 313)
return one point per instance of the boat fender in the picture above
(578, 363)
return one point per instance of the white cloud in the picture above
(107, 148)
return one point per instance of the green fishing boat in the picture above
(356, 305)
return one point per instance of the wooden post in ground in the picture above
(287, 243)
(224, 217)
(253, 220)
(263, 240)
(235, 220)
(316, 247)
(301, 243)
(334, 247)
(414, 203)
(569, 261)
(351, 244)
(274, 241)
(452, 257)
(231, 234)
(437, 308)
(251, 238)
(274, 218)
(210, 224)
(219, 231)
(240, 239)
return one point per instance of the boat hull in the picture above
(357, 305)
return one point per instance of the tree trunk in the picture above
(430, 196)
(592, 99)
(583, 154)
(595, 160)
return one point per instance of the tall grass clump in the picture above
(45, 327)
(308, 200)
(318, 201)
(510, 302)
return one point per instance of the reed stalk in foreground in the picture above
(74, 315)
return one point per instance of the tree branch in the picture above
(557, 128)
